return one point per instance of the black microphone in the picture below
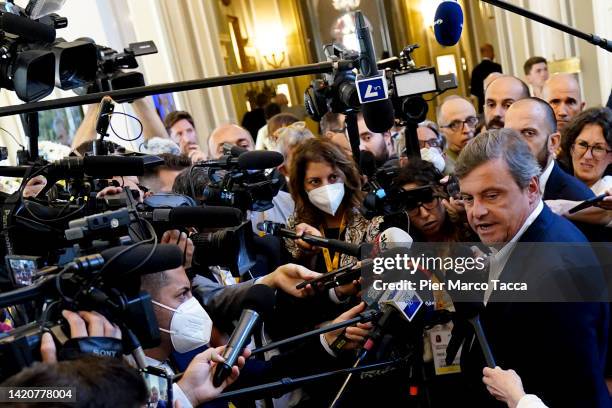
(379, 116)
(201, 217)
(367, 164)
(279, 230)
(165, 256)
(258, 304)
(97, 166)
(26, 28)
(255, 160)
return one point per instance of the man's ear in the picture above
(554, 141)
(582, 105)
(533, 189)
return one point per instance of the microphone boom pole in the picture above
(142, 91)
(591, 38)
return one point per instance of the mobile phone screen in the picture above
(159, 387)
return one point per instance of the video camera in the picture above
(33, 61)
(238, 179)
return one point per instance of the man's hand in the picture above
(184, 243)
(286, 278)
(34, 186)
(302, 229)
(195, 154)
(504, 385)
(356, 335)
(82, 324)
(454, 208)
(109, 191)
(197, 382)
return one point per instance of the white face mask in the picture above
(190, 326)
(327, 198)
(433, 155)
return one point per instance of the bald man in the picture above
(457, 121)
(499, 95)
(229, 133)
(562, 92)
(535, 121)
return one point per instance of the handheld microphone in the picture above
(26, 28)
(379, 116)
(279, 230)
(254, 160)
(259, 303)
(448, 23)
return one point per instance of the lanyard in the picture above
(329, 264)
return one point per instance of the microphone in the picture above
(367, 164)
(26, 28)
(255, 160)
(279, 230)
(259, 303)
(97, 166)
(391, 238)
(378, 115)
(164, 257)
(448, 23)
(200, 217)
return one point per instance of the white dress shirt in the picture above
(498, 260)
(546, 175)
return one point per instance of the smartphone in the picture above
(159, 386)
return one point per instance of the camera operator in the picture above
(175, 305)
(228, 133)
(429, 219)
(326, 188)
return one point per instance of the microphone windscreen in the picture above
(261, 299)
(260, 160)
(367, 163)
(109, 166)
(448, 23)
(205, 217)
(379, 115)
(394, 238)
(27, 28)
(165, 256)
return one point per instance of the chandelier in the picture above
(346, 4)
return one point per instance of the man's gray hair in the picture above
(290, 136)
(505, 144)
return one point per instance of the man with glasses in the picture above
(457, 119)
(535, 121)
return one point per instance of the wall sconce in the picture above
(271, 46)
(428, 12)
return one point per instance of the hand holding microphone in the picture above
(300, 231)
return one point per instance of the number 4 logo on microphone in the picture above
(372, 89)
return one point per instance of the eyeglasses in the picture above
(428, 205)
(598, 151)
(457, 125)
(430, 143)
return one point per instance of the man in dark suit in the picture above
(555, 333)
(535, 121)
(481, 71)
